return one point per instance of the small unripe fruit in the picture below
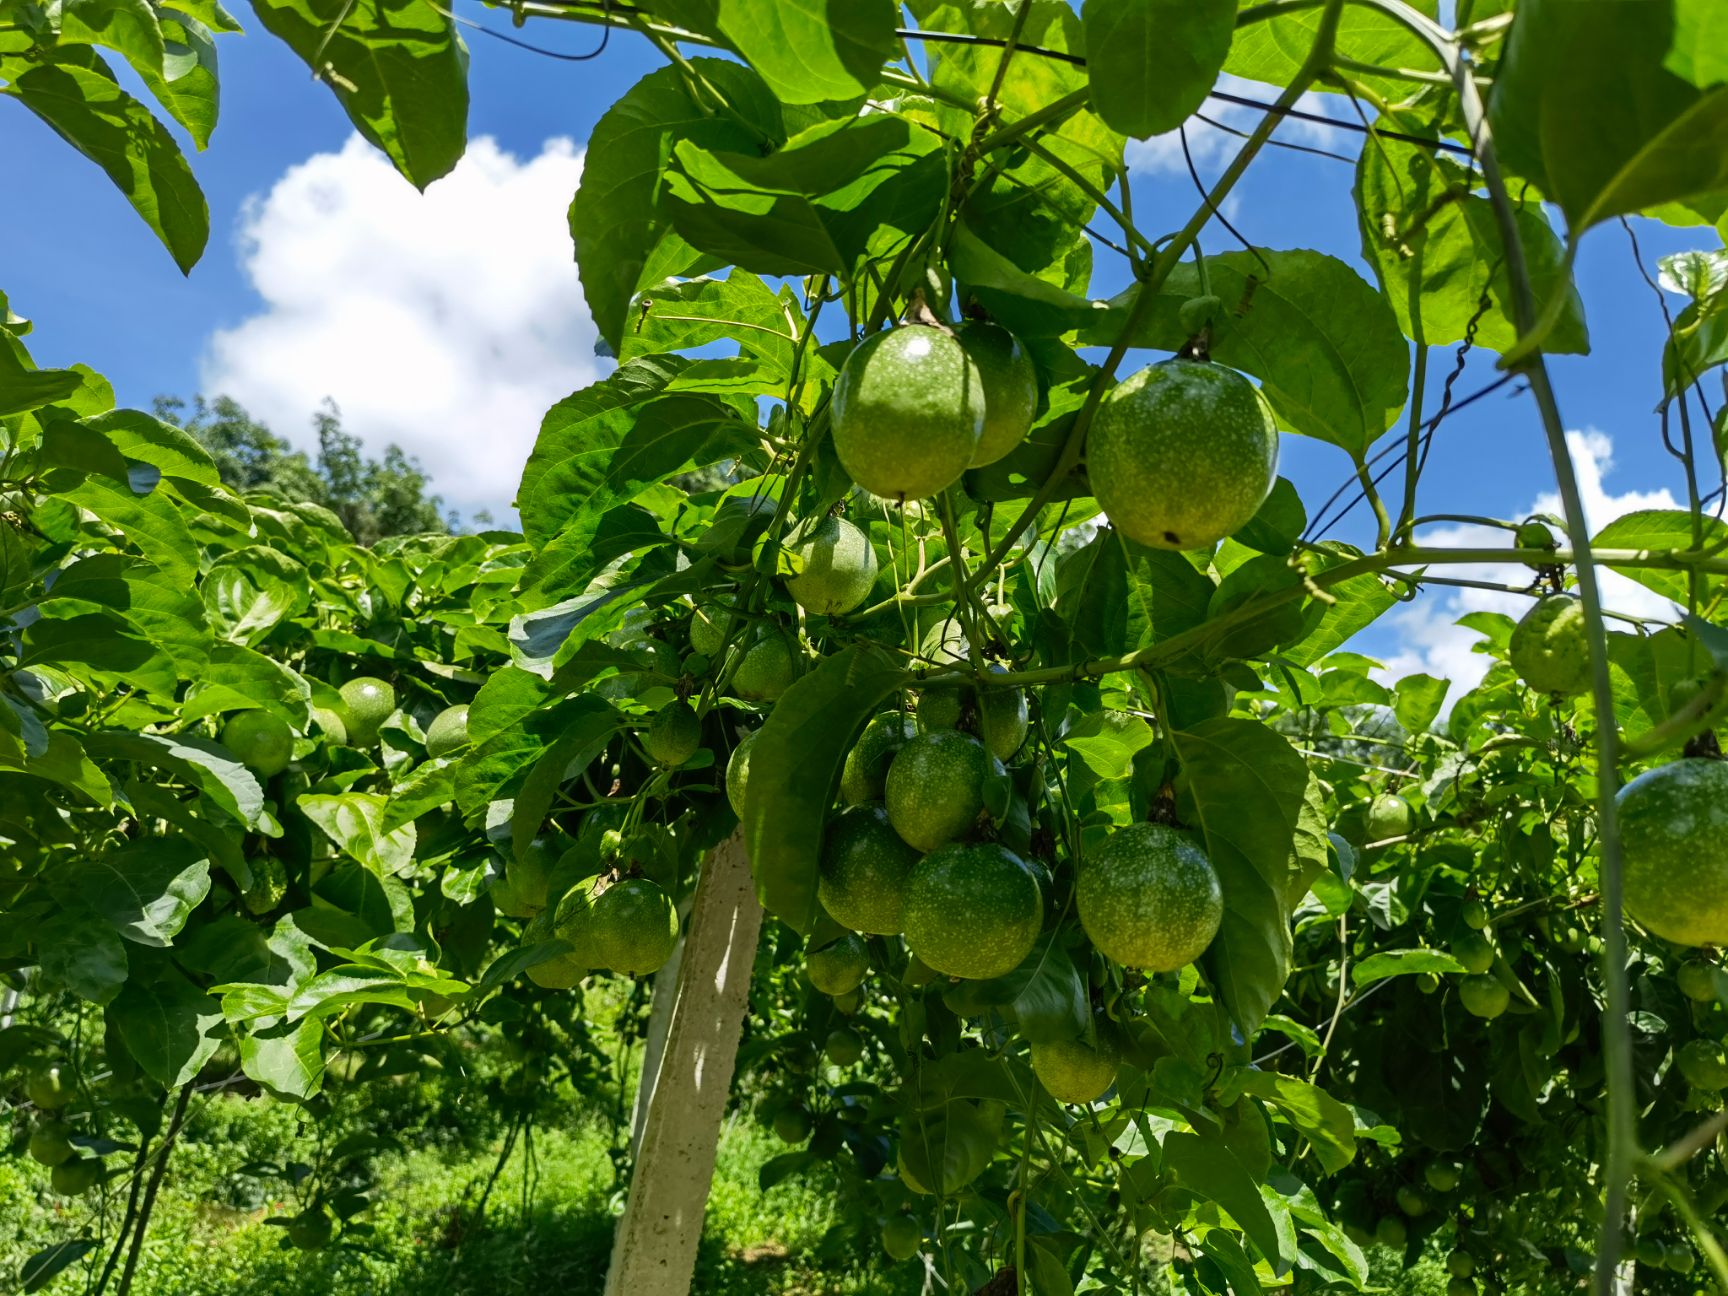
(674, 735)
(901, 1237)
(792, 1124)
(1484, 996)
(1550, 647)
(1697, 981)
(1460, 1264)
(1475, 914)
(1411, 1201)
(1391, 1232)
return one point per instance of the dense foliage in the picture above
(1133, 931)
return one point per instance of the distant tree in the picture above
(373, 497)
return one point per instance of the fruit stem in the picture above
(967, 596)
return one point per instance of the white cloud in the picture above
(1212, 147)
(447, 322)
(1429, 641)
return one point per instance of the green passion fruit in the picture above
(1475, 951)
(633, 927)
(1697, 981)
(367, 702)
(973, 911)
(843, 1047)
(1674, 832)
(839, 967)
(263, 742)
(864, 777)
(792, 1124)
(51, 1143)
(448, 731)
(1484, 996)
(1535, 534)
(674, 735)
(1149, 898)
(1702, 1064)
(521, 893)
(1182, 454)
(768, 668)
(738, 771)
(1550, 647)
(935, 787)
(49, 1087)
(1389, 816)
(76, 1176)
(1074, 1071)
(908, 412)
(864, 868)
(1010, 387)
(901, 1237)
(708, 631)
(836, 567)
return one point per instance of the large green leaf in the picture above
(1152, 62)
(1273, 49)
(128, 27)
(355, 822)
(1660, 529)
(150, 521)
(75, 93)
(1325, 345)
(1244, 786)
(623, 239)
(83, 953)
(678, 316)
(1436, 248)
(795, 767)
(187, 86)
(807, 51)
(1327, 1124)
(1588, 104)
(168, 1024)
(398, 68)
(249, 591)
(287, 1059)
(1117, 595)
(1205, 1164)
(208, 766)
(147, 888)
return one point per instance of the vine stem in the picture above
(156, 1173)
(1528, 360)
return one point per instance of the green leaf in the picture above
(1354, 605)
(795, 768)
(25, 387)
(1327, 1124)
(168, 1025)
(1419, 699)
(1389, 963)
(1027, 304)
(248, 592)
(740, 308)
(807, 51)
(1660, 529)
(1107, 742)
(45, 1265)
(126, 26)
(1587, 104)
(816, 204)
(1227, 1253)
(355, 822)
(397, 67)
(187, 86)
(176, 452)
(1325, 345)
(208, 766)
(1152, 62)
(1274, 49)
(583, 739)
(624, 241)
(84, 954)
(1206, 1165)
(1046, 994)
(147, 888)
(287, 1059)
(240, 679)
(209, 12)
(101, 648)
(150, 522)
(1245, 785)
(75, 93)
(1117, 595)
(1436, 248)
(1700, 343)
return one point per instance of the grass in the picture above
(548, 1225)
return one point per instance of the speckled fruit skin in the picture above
(864, 777)
(448, 731)
(1182, 454)
(1073, 1071)
(839, 967)
(767, 670)
(1697, 981)
(973, 911)
(1701, 1063)
(738, 771)
(865, 865)
(1475, 951)
(1003, 720)
(1149, 898)
(366, 704)
(1010, 387)
(837, 567)
(674, 734)
(908, 412)
(1674, 833)
(1550, 648)
(1483, 996)
(1388, 816)
(263, 742)
(634, 927)
(935, 789)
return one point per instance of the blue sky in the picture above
(447, 323)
